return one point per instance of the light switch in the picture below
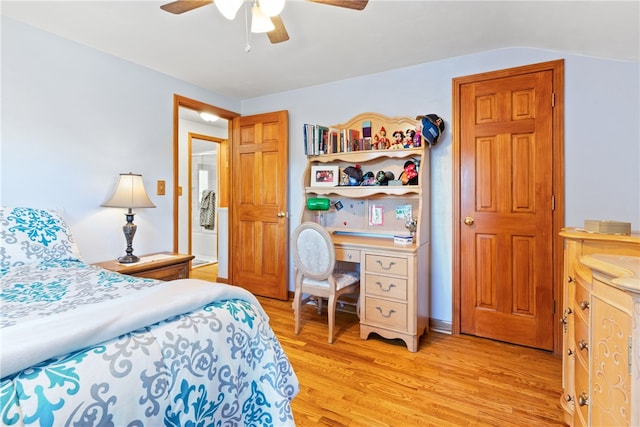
(161, 188)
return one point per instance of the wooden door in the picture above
(259, 201)
(506, 192)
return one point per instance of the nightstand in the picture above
(161, 266)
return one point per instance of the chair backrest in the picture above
(313, 251)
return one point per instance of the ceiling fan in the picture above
(264, 14)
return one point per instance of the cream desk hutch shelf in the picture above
(363, 220)
(601, 329)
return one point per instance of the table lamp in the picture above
(129, 193)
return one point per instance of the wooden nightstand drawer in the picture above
(386, 264)
(383, 286)
(162, 266)
(386, 313)
(172, 272)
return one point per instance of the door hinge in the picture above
(553, 202)
(553, 99)
(630, 352)
(553, 307)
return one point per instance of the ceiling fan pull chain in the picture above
(247, 47)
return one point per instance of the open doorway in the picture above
(202, 148)
(203, 238)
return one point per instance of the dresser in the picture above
(601, 329)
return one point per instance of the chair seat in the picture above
(343, 279)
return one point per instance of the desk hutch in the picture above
(394, 291)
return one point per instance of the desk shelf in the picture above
(404, 314)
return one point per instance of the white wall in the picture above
(602, 136)
(73, 118)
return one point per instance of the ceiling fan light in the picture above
(272, 7)
(260, 23)
(208, 117)
(228, 8)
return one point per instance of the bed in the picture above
(85, 346)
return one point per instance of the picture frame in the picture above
(325, 176)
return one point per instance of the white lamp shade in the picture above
(129, 193)
(260, 23)
(228, 8)
(271, 7)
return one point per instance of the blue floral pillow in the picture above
(29, 236)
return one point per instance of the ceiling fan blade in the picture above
(181, 6)
(349, 4)
(279, 34)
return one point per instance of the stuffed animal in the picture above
(354, 174)
(409, 175)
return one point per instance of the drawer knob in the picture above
(391, 286)
(391, 264)
(568, 398)
(583, 399)
(583, 345)
(569, 352)
(584, 305)
(385, 315)
(570, 279)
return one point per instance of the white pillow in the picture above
(29, 236)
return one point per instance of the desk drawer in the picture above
(386, 264)
(348, 255)
(383, 286)
(386, 313)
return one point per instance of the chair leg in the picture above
(297, 311)
(331, 309)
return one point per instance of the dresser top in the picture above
(581, 234)
(621, 271)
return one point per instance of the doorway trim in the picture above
(557, 68)
(181, 101)
(213, 140)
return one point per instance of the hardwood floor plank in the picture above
(453, 380)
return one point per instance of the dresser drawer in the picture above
(385, 286)
(349, 255)
(386, 313)
(386, 264)
(582, 300)
(582, 390)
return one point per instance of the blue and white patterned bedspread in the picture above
(85, 346)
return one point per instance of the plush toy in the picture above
(409, 175)
(369, 179)
(383, 178)
(354, 174)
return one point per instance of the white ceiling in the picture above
(331, 43)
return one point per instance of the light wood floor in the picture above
(453, 380)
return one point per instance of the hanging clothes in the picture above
(208, 210)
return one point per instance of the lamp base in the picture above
(128, 259)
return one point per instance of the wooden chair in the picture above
(315, 273)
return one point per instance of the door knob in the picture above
(282, 214)
(469, 221)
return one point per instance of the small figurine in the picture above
(384, 141)
(398, 137)
(408, 138)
